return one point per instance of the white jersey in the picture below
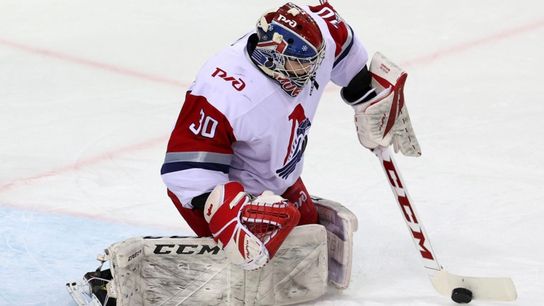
(237, 124)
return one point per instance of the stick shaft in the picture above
(485, 288)
(410, 216)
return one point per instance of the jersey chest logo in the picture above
(300, 125)
(238, 84)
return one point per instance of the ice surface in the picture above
(89, 91)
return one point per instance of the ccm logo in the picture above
(185, 249)
(238, 84)
(131, 257)
(407, 209)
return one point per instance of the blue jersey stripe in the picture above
(346, 51)
(178, 166)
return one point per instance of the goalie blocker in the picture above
(194, 271)
(381, 115)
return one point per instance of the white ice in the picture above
(89, 91)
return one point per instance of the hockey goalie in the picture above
(233, 171)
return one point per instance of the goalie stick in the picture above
(484, 288)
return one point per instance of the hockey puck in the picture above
(461, 295)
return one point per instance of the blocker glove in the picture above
(384, 119)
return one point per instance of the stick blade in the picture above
(483, 288)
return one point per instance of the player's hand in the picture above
(384, 119)
(250, 230)
(371, 118)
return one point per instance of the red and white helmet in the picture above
(290, 47)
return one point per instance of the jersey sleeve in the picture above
(199, 151)
(350, 54)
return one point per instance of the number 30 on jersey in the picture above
(205, 126)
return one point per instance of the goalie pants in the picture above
(296, 194)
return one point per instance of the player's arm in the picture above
(350, 57)
(199, 152)
(249, 229)
(381, 116)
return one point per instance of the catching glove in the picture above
(249, 229)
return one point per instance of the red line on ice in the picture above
(464, 46)
(109, 155)
(91, 63)
(461, 47)
(99, 217)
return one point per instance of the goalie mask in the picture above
(290, 47)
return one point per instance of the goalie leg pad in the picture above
(340, 223)
(194, 271)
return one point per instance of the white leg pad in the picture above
(194, 271)
(340, 223)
